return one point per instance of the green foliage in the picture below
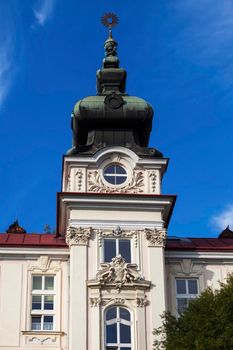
(207, 324)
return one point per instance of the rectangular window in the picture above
(186, 291)
(115, 246)
(42, 304)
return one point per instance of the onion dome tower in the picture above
(114, 217)
(112, 117)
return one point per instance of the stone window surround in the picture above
(131, 321)
(44, 267)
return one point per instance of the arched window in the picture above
(118, 329)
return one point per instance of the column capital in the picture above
(78, 235)
(155, 237)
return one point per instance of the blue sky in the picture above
(179, 57)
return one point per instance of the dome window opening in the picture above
(115, 174)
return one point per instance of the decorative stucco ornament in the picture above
(94, 302)
(95, 184)
(118, 232)
(79, 179)
(78, 235)
(118, 272)
(155, 237)
(141, 302)
(153, 178)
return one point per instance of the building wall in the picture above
(207, 268)
(16, 271)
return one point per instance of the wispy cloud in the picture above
(8, 40)
(43, 11)
(206, 36)
(224, 218)
(6, 67)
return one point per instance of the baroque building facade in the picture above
(103, 280)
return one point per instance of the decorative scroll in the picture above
(78, 235)
(41, 340)
(95, 302)
(156, 238)
(118, 272)
(95, 184)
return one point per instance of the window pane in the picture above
(111, 335)
(120, 170)
(182, 305)
(37, 282)
(36, 323)
(124, 249)
(180, 286)
(110, 179)
(125, 334)
(48, 302)
(110, 169)
(120, 180)
(125, 348)
(192, 286)
(111, 313)
(49, 283)
(124, 314)
(36, 302)
(48, 323)
(109, 249)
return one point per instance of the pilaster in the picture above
(156, 241)
(77, 238)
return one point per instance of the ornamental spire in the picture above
(111, 60)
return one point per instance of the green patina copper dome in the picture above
(112, 117)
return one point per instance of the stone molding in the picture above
(96, 184)
(99, 301)
(118, 233)
(155, 237)
(78, 235)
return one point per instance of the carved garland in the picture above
(79, 179)
(153, 178)
(78, 235)
(95, 184)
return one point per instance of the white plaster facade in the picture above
(91, 211)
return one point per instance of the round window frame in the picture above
(124, 163)
(126, 175)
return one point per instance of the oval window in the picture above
(115, 174)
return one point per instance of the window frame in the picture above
(187, 295)
(117, 239)
(130, 323)
(114, 174)
(42, 312)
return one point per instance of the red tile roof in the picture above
(200, 244)
(51, 240)
(32, 240)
